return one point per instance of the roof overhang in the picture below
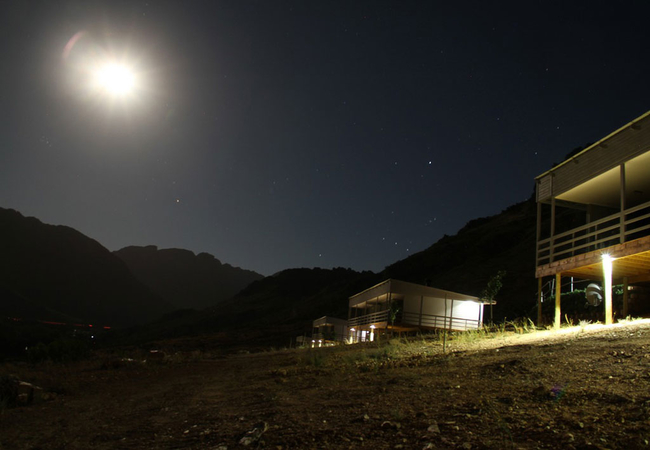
(326, 320)
(396, 289)
(593, 175)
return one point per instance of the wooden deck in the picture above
(631, 260)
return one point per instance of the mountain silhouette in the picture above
(184, 279)
(57, 272)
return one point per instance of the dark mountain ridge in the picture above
(57, 269)
(184, 279)
(276, 309)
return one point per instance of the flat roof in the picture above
(405, 288)
(596, 144)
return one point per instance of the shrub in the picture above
(60, 351)
(8, 391)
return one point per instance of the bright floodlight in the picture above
(115, 79)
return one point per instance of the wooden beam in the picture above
(625, 297)
(571, 205)
(551, 243)
(558, 294)
(595, 257)
(451, 315)
(622, 233)
(539, 231)
(539, 302)
(607, 288)
(639, 279)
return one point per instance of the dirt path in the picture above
(586, 389)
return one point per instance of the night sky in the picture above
(278, 134)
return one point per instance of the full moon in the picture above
(115, 79)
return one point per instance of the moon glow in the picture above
(115, 79)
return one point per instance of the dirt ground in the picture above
(583, 388)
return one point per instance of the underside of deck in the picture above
(631, 261)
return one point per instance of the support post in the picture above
(625, 297)
(551, 243)
(622, 219)
(607, 287)
(451, 315)
(539, 232)
(558, 293)
(444, 337)
(539, 301)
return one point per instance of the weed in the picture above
(315, 359)
(397, 414)
(8, 391)
(492, 412)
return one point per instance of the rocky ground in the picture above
(585, 387)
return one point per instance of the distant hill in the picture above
(466, 261)
(269, 312)
(56, 272)
(279, 307)
(272, 311)
(184, 279)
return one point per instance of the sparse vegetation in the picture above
(537, 389)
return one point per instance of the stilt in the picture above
(607, 287)
(539, 302)
(558, 293)
(626, 311)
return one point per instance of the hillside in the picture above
(60, 272)
(281, 307)
(584, 388)
(184, 279)
(466, 261)
(269, 312)
(276, 309)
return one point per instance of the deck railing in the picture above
(367, 319)
(628, 225)
(331, 337)
(442, 322)
(417, 319)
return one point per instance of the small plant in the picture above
(315, 358)
(8, 391)
(492, 289)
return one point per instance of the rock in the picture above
(156, 355)
(434, 428)
(38, 395)
(364, 418)
(25, 391)
(255, 434)
(392, 425)
(22, 399)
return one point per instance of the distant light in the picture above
(352, 329)
(372, 326)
